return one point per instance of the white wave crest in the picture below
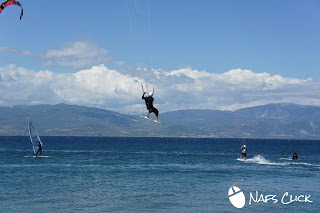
(261, 160)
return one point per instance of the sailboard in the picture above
(151, 120)
(34, 137)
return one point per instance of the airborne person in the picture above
(149, 104)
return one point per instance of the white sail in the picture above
(34, 137)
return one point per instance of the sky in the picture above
(208, 54)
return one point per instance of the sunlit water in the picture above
(97, 174)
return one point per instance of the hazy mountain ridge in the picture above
(268, 121)
(281, 111)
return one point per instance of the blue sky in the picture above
(188, 48)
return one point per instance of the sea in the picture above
(132, 174)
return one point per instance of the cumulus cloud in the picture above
(98, 86)
(232, 90)
(119, 89)
(185, 88)
(76, 55)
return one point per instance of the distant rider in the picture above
(39, 149)
(149, 104)
(244, 152)
(295, 156)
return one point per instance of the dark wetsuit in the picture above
(149, 104)
(295, 156)
(39, 149)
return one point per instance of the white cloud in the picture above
(178, 89)
(98, 86)
(76, 55)
(14, 51)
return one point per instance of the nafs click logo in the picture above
(236, 196)
(238, 200)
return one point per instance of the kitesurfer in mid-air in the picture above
(39, 149)
(149, 103)
(295, 156)
(244, 152)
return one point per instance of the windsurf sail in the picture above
(34, 137)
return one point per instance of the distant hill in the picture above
(62, 119)
(269, 121)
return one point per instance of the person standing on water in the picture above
(244, 152)
(149, 104)
(295, 156)
(39, 149)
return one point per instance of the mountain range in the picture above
(283, 121)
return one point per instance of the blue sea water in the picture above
(102, 174)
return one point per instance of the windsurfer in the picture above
(39, 149)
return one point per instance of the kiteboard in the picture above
(151, 120)
(290, 159)
(285, 158)
(40, 156)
